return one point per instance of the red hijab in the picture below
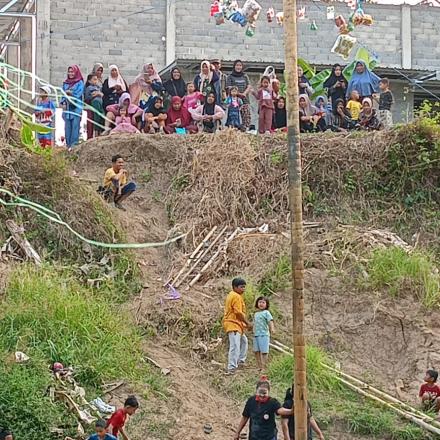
(77, 76)
(181, 114)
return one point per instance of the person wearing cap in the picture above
(220, 84)
(45, 115)
(235, 323)
(261, 410)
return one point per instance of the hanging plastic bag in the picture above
(270, 15)
(313, 26)
(330, 12)
(250, 31)
(301, 13)
(251, 10)
(215, 8)
(229, 7)
(238, 17)
(219, 18)
(343, 45)
(280, 18)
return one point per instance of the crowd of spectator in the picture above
(212, 100)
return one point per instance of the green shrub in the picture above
(394, 268)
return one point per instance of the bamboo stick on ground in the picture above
(212, 259)
(199, 259)
(411, 413)
(191, 257)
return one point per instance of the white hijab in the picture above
(119, 81)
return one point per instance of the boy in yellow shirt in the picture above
(234, 324)
(116, 178)
(354, 106)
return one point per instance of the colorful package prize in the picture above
(251, 10)
(343, 45)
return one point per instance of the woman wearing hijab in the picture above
(368, 119)
(179, 117)
(309, 118)
(364, 81)
(208, 115)
(341, 120)
(206, 79)
(113, 110)
(304, 86)
(175, 86)
(146, 85)
(113, 87)
(98, 70)
(72, 104)
(323, 108)
(280, 115)
(240, 80)
(336, 85)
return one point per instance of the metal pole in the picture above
(295, 199)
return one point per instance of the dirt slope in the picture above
(373, 337)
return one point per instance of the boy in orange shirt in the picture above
(234, 324)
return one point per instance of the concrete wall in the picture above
(191, 34)
(128, 41)
(228, 41)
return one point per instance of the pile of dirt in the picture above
(47, 179)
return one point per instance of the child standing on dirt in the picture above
(116, 423)
(263, 329)
(101, 432)
(234, 324)
(430, 391)
(261, 410)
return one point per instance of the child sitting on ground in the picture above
(354, 106)
(261, 410)
(233, 104)
(430, 391)
(193, 98)
(45, 115)
(101, 432)
(263, 329)
(155, 117)
(116, 423)
(386, 100)
(123, 123)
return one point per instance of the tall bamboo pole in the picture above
(295, 199)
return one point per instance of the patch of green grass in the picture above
(54, 318)
(50, 316)
(25, 407)
(277, 277)
(394, 268)
(331, 400)
(145, 177)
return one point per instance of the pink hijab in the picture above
(131, 109)
(77, 76)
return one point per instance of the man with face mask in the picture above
(260, 410)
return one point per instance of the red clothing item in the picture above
(117, 420)
(428, 388)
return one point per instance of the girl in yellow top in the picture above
(354, 106)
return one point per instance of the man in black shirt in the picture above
(261, 410)
(288, 423)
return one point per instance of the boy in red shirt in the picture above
(430, 392)
(116, 423)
